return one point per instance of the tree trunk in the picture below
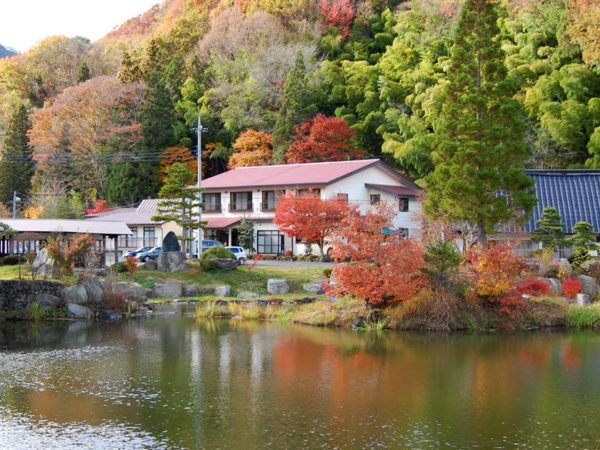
(482, 235)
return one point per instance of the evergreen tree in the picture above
(583, 237)
(479, 136)
(296, 107)
(246, 234)
(128, 183)
(129, 70)
(179, 201)
(16, 163)
(550, 231)
(84, 73)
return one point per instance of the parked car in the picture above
(239, 253)
(207, 243)
(150, 254)
(136, 252)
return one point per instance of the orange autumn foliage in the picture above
(171, 155)
(252, 148)
(323, 139)
(494, 270)
(309, 218)
(379, 268)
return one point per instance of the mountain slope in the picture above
(6, 52)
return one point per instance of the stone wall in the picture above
(18, 294)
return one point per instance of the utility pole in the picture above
(200, 231)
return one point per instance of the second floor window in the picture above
(270, 199)
(240, 201)
(212, 202)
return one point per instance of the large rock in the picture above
(277, 286)
(588, 286)
(170, 243)
(555, 285)
(223, 291)
(44, 266)
(48, 300)
(247, 295)
(170, 289)
(314, 288)
(190, 290)
(94, 289)
(149, 265)
(564, 267)
(583, 299)
(171, 262)
(78, 311)
(76, 295)
(130, 291)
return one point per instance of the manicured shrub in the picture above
(571, 287)
(207, 260)
(12, 260)
(533, 286)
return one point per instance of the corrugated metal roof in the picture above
(286, 174)
(149, 205)
(574, 193)
(128, 215)
(68, 226)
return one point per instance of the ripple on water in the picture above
(20, 432)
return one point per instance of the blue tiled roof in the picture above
(574, 193)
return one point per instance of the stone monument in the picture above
(171, 258)
(43, 265)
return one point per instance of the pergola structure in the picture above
(26, 234)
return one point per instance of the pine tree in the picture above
(128, 183)
(296, 107)
(84, 73)
(550, 231)
(246, 234)
(479, 136)
(179, 201)
(583, 237)
(16, 164)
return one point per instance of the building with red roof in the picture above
(253, 193)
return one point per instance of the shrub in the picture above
(12, 260)
(442, 260)
(494, 270)
(533, 286)
(131, 266)
(119, 267)
(327, 272)
(579, 258)
(511, 305)
(571, 287)
(207, 259)
(429, 310)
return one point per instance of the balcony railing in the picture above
(214, 208)
(240, 208)
(268, 206)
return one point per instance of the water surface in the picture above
(169, 382)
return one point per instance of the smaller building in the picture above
(30, 233)
(144, 231)
(574, 193)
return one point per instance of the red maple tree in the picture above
(309, 218)
(323, 139)
(100, 206)
(378, 267)
(337, 13)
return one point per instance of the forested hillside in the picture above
(280, 81)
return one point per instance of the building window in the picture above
(403, 232)
(133, 239)
(270, 242)
(375, 199)
(270, 200)
(149, 237)
(342, 197)
(212, 202)
(403, 204)
(240, 201)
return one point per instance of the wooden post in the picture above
(116, 249)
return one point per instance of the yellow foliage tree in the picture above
(252, 148)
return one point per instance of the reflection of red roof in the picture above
(221, 222)
(287, 174)
(396, 190)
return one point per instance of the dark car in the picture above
(150, 254)
(136, 252)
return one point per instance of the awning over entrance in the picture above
(220, 223)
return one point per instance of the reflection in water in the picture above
(172, 382)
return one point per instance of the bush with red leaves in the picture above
(571, 287)
(533, 286)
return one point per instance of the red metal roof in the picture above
(286, 175)
(396, 190)
(221, 222)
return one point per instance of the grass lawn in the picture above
(12, 272)
(240, 279)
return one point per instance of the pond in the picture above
(172, 382)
